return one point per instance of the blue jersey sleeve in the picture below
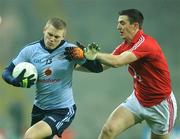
(93, 66)
(7, 75)
(23, 56)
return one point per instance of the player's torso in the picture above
(54, 84)
(150, 72)
(151, 63)
(151, 68)
(52, 67)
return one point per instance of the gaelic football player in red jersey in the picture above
(152, 99)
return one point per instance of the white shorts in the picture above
(160, 118)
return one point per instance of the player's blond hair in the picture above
(57, 23)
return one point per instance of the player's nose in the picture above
(119, 27)
(52, 38)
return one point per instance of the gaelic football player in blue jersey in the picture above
(54, 107)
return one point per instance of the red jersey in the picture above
(150, 72)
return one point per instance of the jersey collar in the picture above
(137, 36)
(50, 50)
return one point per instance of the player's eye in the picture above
(57, 37)
(50, 34)
(122, 23)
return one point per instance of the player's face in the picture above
(127, 30)
(53, 36)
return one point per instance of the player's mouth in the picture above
(49, 43)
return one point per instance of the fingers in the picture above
(94, 46)
(68, 53)
(85, 49)
(25, 82)
(73, 53)
(80, 52)
(80, 45)
(69, 58)
(30, 76)
(69, 48)
(28, 82)
(91, 51)
(21, 75)
(33, 81)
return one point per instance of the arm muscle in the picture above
(116, 60)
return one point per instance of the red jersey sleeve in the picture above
(119, 49)
(144, 48)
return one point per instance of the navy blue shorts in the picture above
(57, 119)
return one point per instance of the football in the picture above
(30, 69)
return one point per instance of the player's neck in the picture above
(131, 36)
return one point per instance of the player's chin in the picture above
(52, 46)
(121, 34)
(123, 37)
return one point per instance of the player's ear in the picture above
(136, 25)
(64, 33)
(44, 29)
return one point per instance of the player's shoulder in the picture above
(30, 46)
(120, 46)
(69, 44)
(119, 49)
(149, 38)
(33, 44)
(151, 43)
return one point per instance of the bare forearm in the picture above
(109, 60)
(116, 60)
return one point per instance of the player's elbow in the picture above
(5, 75)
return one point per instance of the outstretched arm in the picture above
(77, 53)
(116, 60)
(90, 66)
(108, 59)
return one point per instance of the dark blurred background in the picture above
(96, 95)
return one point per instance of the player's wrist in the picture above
(15, 82)
(97, 55)
(89, 56)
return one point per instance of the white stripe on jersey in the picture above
(136, 45)
(118, 47)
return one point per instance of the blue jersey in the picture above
(54, 84)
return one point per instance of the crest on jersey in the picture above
(48, 72)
